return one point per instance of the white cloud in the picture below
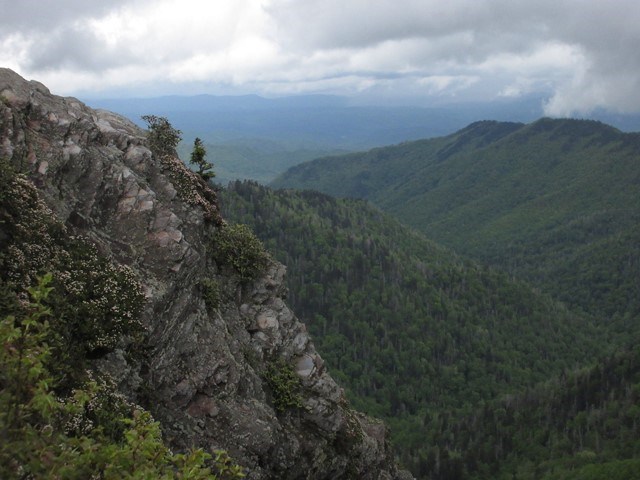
(584, 51)
(440, 83)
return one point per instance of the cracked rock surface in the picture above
(204, 369)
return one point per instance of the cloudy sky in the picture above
(584, 53)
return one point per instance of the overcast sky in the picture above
(585, 53)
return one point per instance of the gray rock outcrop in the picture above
(202, 374)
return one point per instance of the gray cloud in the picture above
(465, 34)
(22, 16)
(360, 23)
(55, 35)
(583, 51)
(75, 48)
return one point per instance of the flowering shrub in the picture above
(191, 188)
(100, 300)
(34, 238)
(44, 436)
(96, 302)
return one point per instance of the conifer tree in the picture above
(198, 155)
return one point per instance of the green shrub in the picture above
(285, 386)
(92, 433)
(162, 137)
(211, 293)
(7, 173)
(236, 246)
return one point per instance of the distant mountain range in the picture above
(556, 202)
(258, 138)
(314, 120)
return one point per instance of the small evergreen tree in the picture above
(197, 159)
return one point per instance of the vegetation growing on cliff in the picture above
(284, 384)
(96, 303)
(162, 137)
(236, 246)
(63, 304)
(193, 188)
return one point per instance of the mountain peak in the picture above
(223, 361)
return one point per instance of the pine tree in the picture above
(198, 155)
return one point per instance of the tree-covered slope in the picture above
(580, 425)
(555, 201)
(408, 326)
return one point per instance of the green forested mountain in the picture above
(410, 328)
(556, 202)
(584, 425)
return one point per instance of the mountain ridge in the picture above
(516, 202)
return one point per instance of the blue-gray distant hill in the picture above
(314, 120)
(251, 137)
(554, 201)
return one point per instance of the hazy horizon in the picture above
(577, 56)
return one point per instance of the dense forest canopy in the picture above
(555, 202)
(417, 334)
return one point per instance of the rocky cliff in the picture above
(208, 371)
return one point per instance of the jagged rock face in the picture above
(204, 369)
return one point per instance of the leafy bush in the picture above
(285, 386)
(211, 293)
(7, 173)
(93, 433)
(237, 246)
(163, 138)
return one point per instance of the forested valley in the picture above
(455, 356)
